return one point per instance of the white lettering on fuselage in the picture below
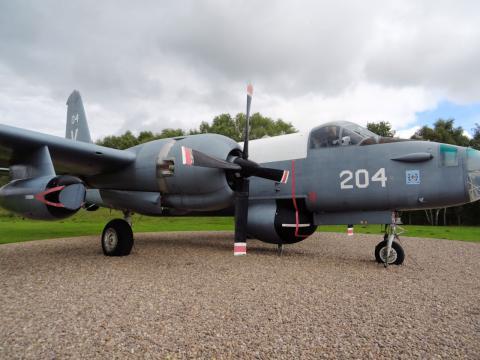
(362, 179)
(74, 128)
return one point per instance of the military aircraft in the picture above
(280, 188)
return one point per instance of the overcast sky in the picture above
(155, 64)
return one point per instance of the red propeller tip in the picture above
(250, 89)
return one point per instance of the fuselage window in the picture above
(448, 155)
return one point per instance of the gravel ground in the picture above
(184, 295)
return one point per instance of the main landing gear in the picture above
(389, 251)
(117, 237)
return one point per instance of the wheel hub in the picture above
(110, 239)
(393, 255)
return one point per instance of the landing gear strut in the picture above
(117, 237)
(280, 249)
(389, 251)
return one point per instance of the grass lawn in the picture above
(16, 229)
(462, 233)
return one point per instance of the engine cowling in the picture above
(159, 168)
(276, 222)
(44, 198)
(195, 188)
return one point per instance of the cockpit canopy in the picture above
(343, 133)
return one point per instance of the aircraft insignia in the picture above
(413, 177)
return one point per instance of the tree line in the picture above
(224, 124)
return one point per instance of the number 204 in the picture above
(362, 178)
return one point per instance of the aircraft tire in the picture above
(117, 238)
(399, 254)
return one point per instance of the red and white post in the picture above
(240, 248)
(350, 230)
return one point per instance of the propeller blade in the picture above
(280, 176)
(192, 157)
(247, 121)
(251, 168)
(242, 186)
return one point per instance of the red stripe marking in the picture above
(41, 196)
(188, 156)
(297, 222)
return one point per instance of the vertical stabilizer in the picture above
(77, 126)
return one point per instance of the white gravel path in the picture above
(184, 295)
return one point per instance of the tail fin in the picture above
(77, 126)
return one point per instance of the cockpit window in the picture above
(361, 131)
(350, 137)
(344, 133)
(326, 136)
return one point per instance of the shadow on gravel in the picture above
(223, 244)
(218, 244)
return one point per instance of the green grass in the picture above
(462, 233)
(16, 229)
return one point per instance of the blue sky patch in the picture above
(465, 115)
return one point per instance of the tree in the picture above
(128, 140)
(170, 133)
(444, 131)
(475, 141)
(382, 128)
(224, 124)
(260, 126)
(119, 142)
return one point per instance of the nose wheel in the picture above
(395, 257)
(389, 251)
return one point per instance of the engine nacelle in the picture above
(276, 222)
(159, 168)
(195, 188)
(44, 198)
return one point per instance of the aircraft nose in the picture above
(473, 174)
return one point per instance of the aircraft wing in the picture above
(68, 156)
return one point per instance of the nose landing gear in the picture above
(389, 251)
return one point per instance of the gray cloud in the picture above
(153, 64)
